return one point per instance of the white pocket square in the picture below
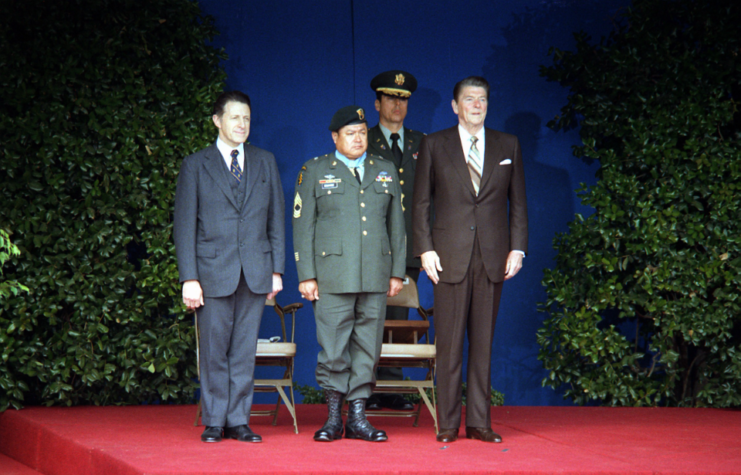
(506, 161)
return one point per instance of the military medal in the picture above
(384, 178)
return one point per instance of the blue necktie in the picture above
(236, 171)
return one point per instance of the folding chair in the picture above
(269, 353)
(403, 347)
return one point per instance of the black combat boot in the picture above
(332, 429)
(358, 427)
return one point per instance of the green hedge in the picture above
(99, 103)
(644, 301)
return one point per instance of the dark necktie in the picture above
(236, 171)
(356, 174)
(395, 148)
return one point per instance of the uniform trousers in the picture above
(349, 329)
(228, 328)
(397, 313)
(468, 306)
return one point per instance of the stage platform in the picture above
(161, 439)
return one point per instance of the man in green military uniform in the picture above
(398, 144)
(349, 243)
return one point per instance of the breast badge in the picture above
(384, 178)
(330, 182)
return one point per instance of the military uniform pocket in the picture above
(328, 248)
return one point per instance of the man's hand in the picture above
(395, 286)
(192, 294)
(514, 264)
(431, 265)
(309, 290)
(277, 285)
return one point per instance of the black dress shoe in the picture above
(485, 435)
(211, 434)
(447, 435)
(397, 403)
(242, 433)
(373, 403)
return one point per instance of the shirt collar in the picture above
(466, 136)
(226, 150)
(387, 134)
(358, 162)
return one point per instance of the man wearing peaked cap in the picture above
(348, 238)
(400, 145)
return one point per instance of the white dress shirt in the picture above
(226, 152)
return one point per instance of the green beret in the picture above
(346, 116)
(395, 83)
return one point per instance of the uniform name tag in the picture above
(331, 183)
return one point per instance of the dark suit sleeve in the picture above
(276, 218)
(517, 203)
(186, 220)
(424, 187)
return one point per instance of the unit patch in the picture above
(297, 206)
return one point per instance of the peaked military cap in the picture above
(348, 115)
(395, 83)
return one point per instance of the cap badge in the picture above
(400, 79)
(361, 114)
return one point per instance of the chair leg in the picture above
(277, 407)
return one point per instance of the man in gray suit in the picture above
(348, 237)
(230, 243)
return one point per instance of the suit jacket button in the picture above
(473, 228)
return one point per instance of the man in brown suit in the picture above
(474, 176)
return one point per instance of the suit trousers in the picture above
(397, 313)
(349, 328)
(468, 306)
(228, 328)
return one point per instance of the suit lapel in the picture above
(410, 143)
(216, 167)
(491, 156)
(369, 173)
(252, 169)
(454, 150)
(377, 141)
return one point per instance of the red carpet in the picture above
(163, 440)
